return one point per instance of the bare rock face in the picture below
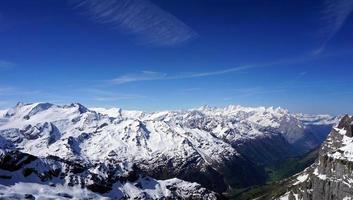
(347, 125)
(331, 176)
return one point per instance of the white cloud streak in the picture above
(257, 91)
(6, 64)
(104, 95)
(142, 76)
(10, 91)
(151, 24)
(334, 15)
(149, 75)
(5, 90)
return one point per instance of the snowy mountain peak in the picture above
(119, 113)
(151, 133)
(27, 110)
(30, 109)
(196, 145)
(80, 107)
(233, 109)
(111, 112)
(205, 107)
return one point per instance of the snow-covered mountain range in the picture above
(215, 147)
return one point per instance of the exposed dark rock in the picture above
(65, 195)
(27, 171)
(39, 107)
(5, 177)
(99, 188)
(15, 161)
(29, 196)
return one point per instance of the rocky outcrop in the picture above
(331, 176)
(106, 180)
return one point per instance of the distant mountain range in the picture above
(113, 153)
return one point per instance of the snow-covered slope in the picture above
(247, 120)
(251, 131)
(216, 147)
(118, 112)
(76, 133)
(146, 188)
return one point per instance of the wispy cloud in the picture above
(334, 15)
(256, 91)
(117, 97)
(302, 74)
(4, 103)
(149, 75)
(253, 92)
(5, 90)
(150, 23)
(192, 89)
(15, 91)
(104, 95)
(142, 76)
(6, 64)
(9, 95)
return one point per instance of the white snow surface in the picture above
(301, 178)
(345, 151)
(3, 112)
(234, 122)
(42, 191)
(284, 197)
(118, 112)
(147, 188)
(74, 132)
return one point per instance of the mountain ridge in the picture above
(330, 176)
(215, 147)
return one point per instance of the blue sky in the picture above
(156, 55)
